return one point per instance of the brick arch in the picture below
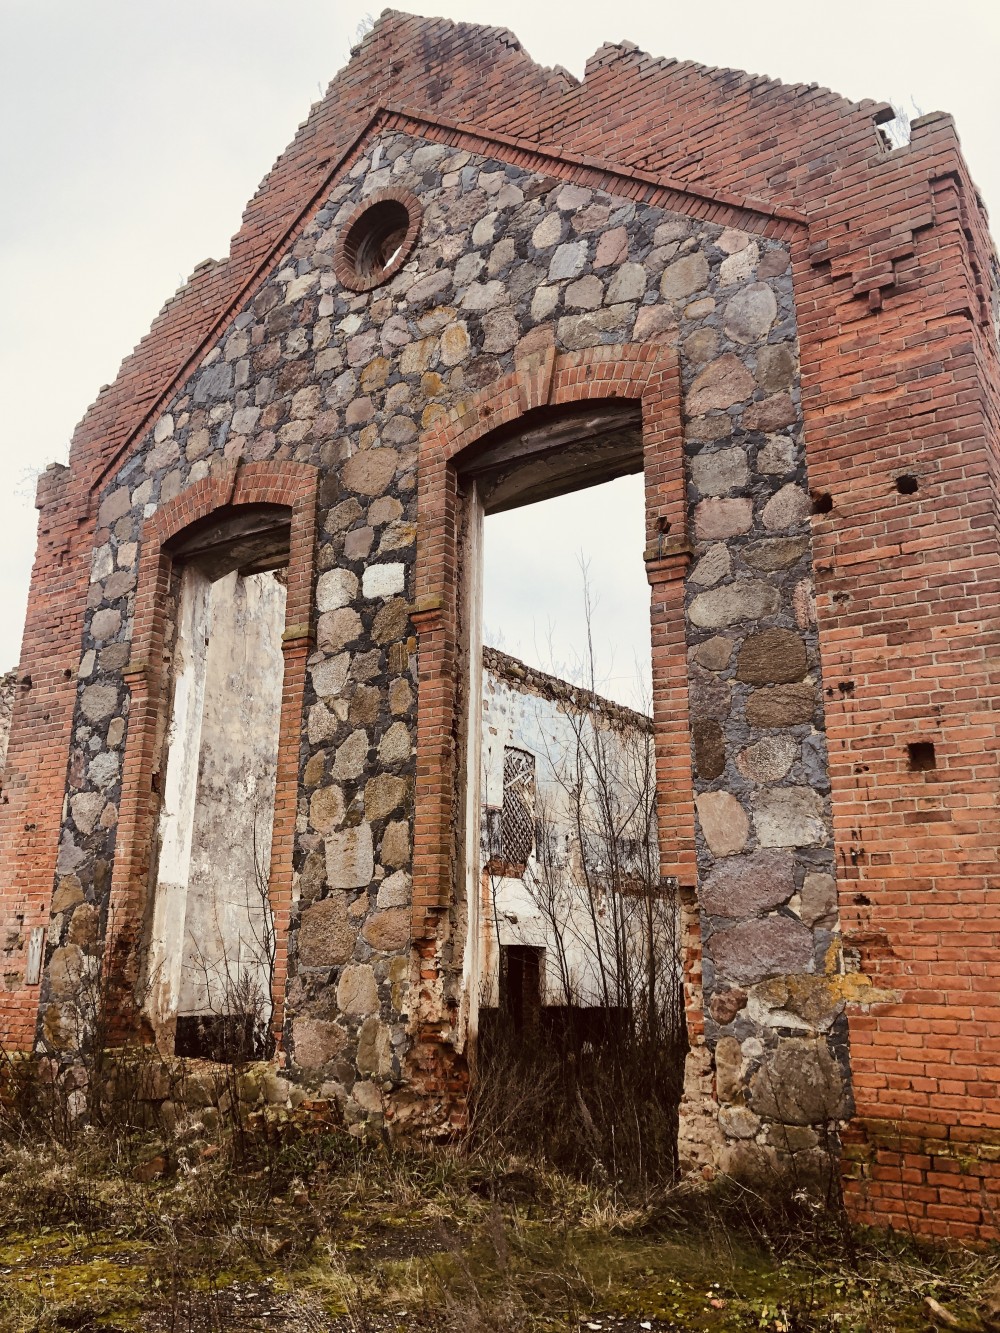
(295, 486)
(646, 372)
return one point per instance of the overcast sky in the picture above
(132, 132)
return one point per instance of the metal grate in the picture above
(517, 819)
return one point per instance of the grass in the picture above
(309, 1228)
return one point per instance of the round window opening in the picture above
(376, 244)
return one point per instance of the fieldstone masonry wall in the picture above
(8, 684)
(309, 372)
(824, 296)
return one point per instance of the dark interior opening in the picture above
(521, 985)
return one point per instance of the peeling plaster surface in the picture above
(218, 810)
(548, 906)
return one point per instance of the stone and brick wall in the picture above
(830, 304)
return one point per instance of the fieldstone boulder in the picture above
(769, 759)
(326, 935)
(723, 383)
(316, 1042)
(388, 931)
(724, 822)
(357, 991)
(765, 947)
(684, 276)
(818, 900)
(350, 861)
(722, 518)
(718, 472)
(750, 313)
(787, 509)
(799, 1083)
(744, 886)
(772, 657)
(374, 1047)
(384, 794)
(748, 599)
(781, 706)
(789, 817)
(369, 471)
(709, 749)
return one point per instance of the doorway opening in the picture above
(211, 955)
(572, 959)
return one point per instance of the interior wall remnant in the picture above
(211, 951)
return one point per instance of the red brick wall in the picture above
(899, 373)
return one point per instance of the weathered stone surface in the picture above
(628, 284)
(747, 599)
(799, 1083)
(718, 472)
(723, 383)
(709, 696)
(651, 321)
(728, 1069)
(612, 247)
(781, 706)
(383, 580)
(384, 794)
(396, 745)
(395, 849)
(389, 930)
(772, 657)
(83, 927)
(750, 313)
(326, 934)
(326, 809)
(330, 676)
(684, 276)
(335, 588)
(738, 1122)
(350, 861)
(585, 294)
(776, 366)
(374, 1047)
(714, 653)
(769, 759)
(714, 565)
(723, 518)
(765, 947)
(776, 552)
(726, 1004)
(316, 1042)
(568, 261)
(787, 509)
(777, 456)
(771, 414)
(68, 893)
(357, 992)
(351, 757)
(789, 817)
(818, 900)
(742, 886)
(86, 809)
(106, 624)
(709, 748)
(65, 972)
(724, 822)
(395, 890)
(336, 629)
(370, 471)
(99, 702)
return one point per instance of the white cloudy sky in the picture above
(133, 131)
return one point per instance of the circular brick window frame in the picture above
(377, 223)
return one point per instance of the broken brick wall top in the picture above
(882, 269)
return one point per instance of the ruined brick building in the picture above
(470, 282)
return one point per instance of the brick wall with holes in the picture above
(894, 295)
